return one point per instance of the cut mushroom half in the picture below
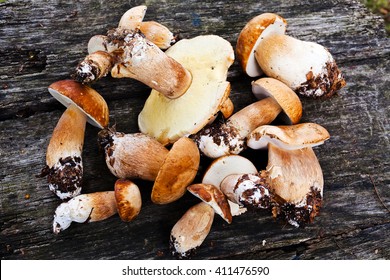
(307, 67)
(191, 230)
(214, 197)
(64, 167)
(224, 166)
(140, 156)
(229, 137)
(208, 58)
(293, 171)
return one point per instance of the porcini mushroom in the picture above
(191, 230)
(293, 172)
(64, 167)
(224, 166)
(229, 137)
(307, 67)
(90, 207)
(140, 156)
(128, 199)
(208, 58)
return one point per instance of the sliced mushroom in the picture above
(224, 166)
(223, 138)
(191, 230)
(208, 59)
(214, 197)
(64, 167)
(141, 156)
(90, 207)
(307, 67)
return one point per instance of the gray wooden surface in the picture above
(42, 41)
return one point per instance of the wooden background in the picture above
(42, 41)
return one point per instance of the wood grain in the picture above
(42, 41)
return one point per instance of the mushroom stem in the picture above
(64, 166)
(94, 67)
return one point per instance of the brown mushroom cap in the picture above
(290, 137)
(214, 197)
(177, 172)
(84, 97)
(250, 36)
(128, 199)
(284, 96)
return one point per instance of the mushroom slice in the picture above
(64, 168)
(223, 138)
(128, 199)
(251, 35)
(90, 207)
(296, 179)
(207, 58)
(214, 197)
(224, 166)
(177, 172)
(248, 190)
(288, 137)
(191, 230)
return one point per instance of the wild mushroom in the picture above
(140, 156)
(293, 174)
(214, 197)
(128, 199)
(90, 207)
(224, 166)
(64, 167)
(127, 52)
(307, 67)
(229, 137)
(208, 58)
(191, 230)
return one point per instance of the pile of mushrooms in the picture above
(178, 125)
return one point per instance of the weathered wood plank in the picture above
(41, 44)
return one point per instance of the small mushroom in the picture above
(208, 58)
(307, 67)
(64, 167)
(293, 171)
(214, 197)
(229, 137)
(224, 166)
(128, 199)
(140, 156)
(191, 230)
(84, 208)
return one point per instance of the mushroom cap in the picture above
(294, 173)
(306, 67)
(133, 15)
(207, 58)
(284, 96)
(214, 197)
(128, 199)
(224, 166)
(288, 137)
(251, 35)
(191, 230)
(177, 172)
(85, 98)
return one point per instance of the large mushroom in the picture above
(229, 137)
(293, 179)
(139, 156)
(307, 67)
(64, 167)
(207, 58)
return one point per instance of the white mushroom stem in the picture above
(64, 166)
(84, 208)
(94, 67)
(191, 230)
(307, 67)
